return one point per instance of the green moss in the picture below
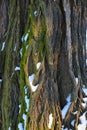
(37, 30)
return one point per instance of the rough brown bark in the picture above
(56, 38)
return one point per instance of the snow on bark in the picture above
(31, 78)
(38, 65)
(83, 124)
(26, 99)
(3, 46)
(50, 121)
(0, 80)
(20, 127)
(76, 80)
(66, 107)
(17, 68)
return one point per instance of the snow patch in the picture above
(0, 80)
(86, 61)
(17, 68)
(19, 108)
(85, 100)
(22, 39)
(83, 86)
(50, 121)
(26, 37)
(83, 124)
(81, 127)
(27, 103)
(9, 128)
(75, 112)
(72, 122)
(83, 118)
(84, 105)
(85, 90)
(76, 80)
(38, 65)
(64, 128)
(21, 52)
(20, 126)
(35, 13)
(26, 99)
(68, 98)
(3, 46)
(31, 78)
(26, 47)
(24, 118)
(15, 48)
(66, 107)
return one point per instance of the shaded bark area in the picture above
(3, 17)
(52, 33)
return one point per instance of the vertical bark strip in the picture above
(51, 33)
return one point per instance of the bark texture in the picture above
(52, 33)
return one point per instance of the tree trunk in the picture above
(42, 62)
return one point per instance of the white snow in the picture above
(31, 78)
(20, 126)
(83, 86)
(26, 37)
(66, 107)
(27, 103)
(22, 39)
(85, 90)
(68, 98)
(85, 102)
(81, 127)
(38, 65)
(72, 122)
(35, 13)
(83, 124)
(15, 48)
(26, 47)
(3, 46)
(0, 80)
(21, 52)
(84, 105)
(76, 80)
(24, 118)
(50, 121)
(9, 128)
(83, 118)
(64, 128)
(26, 99)
(86, 61)
(75, 112)
(17, 68)
(28, 30)
(25, 89)
(19, 108)
(85, 99)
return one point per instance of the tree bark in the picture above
(51, 33)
